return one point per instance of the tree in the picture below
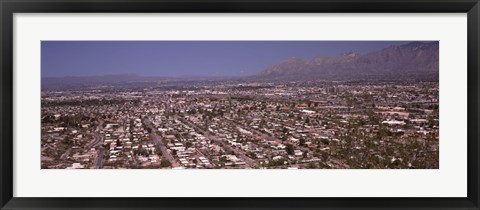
(159, 152)
(312, 165)
(68, 140)
(372, 117)
(302, 142)
(165, 163)
(251, 154)
(290, 150)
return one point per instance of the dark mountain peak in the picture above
(420, 46)
(416, 45)
(421, 43)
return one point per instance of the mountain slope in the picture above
(415, 60)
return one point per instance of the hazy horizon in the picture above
(177, 59)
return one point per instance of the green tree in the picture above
(159, 152)
(165, 163)
(290, 150)
(302, 142)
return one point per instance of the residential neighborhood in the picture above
(227, 124)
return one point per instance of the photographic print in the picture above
(240, 105)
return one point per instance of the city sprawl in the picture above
(242, 125)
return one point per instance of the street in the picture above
(99, 159)
(159, 144)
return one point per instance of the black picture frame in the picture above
(9, 7)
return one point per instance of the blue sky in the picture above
(184, 58)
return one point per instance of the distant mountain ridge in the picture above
(415, 60)
(125, 80)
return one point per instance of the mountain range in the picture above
(415, 60)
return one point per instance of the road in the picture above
(249, 161)
(159, 144)
(66, 154)
(97, 139)
(99, 159)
